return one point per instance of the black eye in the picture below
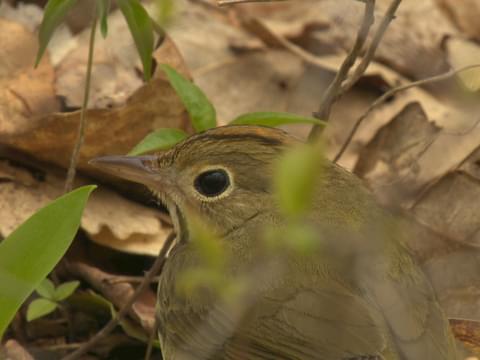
(212, 183)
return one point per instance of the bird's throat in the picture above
(178, 219)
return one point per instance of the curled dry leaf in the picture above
(109, 219)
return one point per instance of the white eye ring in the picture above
(213, 183)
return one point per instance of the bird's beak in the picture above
(140, 169)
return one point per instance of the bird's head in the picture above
(223, 175)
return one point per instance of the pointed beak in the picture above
(140, 169)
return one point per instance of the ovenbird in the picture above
(359, 295)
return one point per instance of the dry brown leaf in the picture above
(25, 92)
(447, 207)
(109, 219)
(454, 277)
(464, 15)
(14, 351)
(254, 82)
(411, 46)
(389, 159)
(203, 37)
(468, 332)
(28, 120)
(240, 80)
(115, 71)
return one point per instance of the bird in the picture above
(358, 295)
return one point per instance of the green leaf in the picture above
(40, 307)
(202, 112)
(35, 247)
(141, 28)
(54, 12)
(274, 119)
(295, 178)
(64, 290)
(46, 289)
(158, 140)
(103, 10)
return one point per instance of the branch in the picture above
(391, 93)
(151, 339)
(332, 93)
(156, 267)
(367, 59)
(83, 114)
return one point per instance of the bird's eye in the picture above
(212, 183)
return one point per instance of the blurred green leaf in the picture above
(301, 238)
(165, 11)
(295, 236)
(64, 290)
(273, 119)
(103, 10)
(192, 279)
(141, 28)
(54, 12)
(160, 139)
(208, 244)
(46, 289)
(40, 307)
(201, 111)
(295, 178)
(35, 247)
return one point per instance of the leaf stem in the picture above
(83, 114)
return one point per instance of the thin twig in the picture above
(130, 279)
(83, 114)
(391, 93)
(370, 53)
(233, 2)
(151, 338)
(156, 267)
(332, 93)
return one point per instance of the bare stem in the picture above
(333, 91)
(391, 93)
(154, 270)
(83, 114)
(153, 333)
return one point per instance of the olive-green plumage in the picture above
(358, 296)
